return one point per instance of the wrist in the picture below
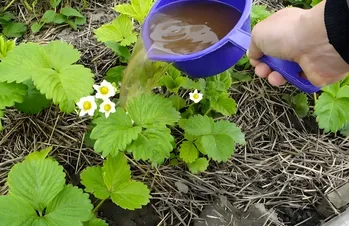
(312, 34)
(313, 38)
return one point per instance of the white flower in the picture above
(87, 105)
(107, 107)
(196, 97)
(105, 90)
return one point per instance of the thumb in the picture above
(254, 52)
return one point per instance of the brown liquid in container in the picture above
(189, 27)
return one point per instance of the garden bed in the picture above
(288, 163)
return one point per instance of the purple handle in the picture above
(290, 71)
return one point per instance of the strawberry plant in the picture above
(299, 103)
(66, 15)
(32, 76)
(137, 9)
(50, 68)
(156, 127)
(10, 28)
(121, 29)
(332, 106)
(39, 195)
(113, 180)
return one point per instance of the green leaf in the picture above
(230, 129)
(138, 9)
(188, 152)
(119, 30)
(259, 13)
(191, 84)
(131, 195)
(178, 102)
(37, 155)
(59, 19)
(345, 130)
(70, 12)
(113, 134)
(222, 81)
(60, 55)
(49, 16)
(15, 211)
(36, 181)
(241, 76)
(200, 165)
(300, 102)
(95, 222)
(116, 171)
(71, 23)
(14, 30)
(55, 3)
(64, 88)
(224, 105)
(34, 102)
(36, 27)
(6, 17)
(315, 2)
(345, 81)
(332, 108)
(114, 179)
(218, 85)
(70, 207)
(154, 144)
(197, 125)
(80, 20)
(6, 46)
(218, 147)
(22, 62)
(11, 93)
(51, 71)
(217, 138)
(332, 89)
(172, 80)
(122, 51)
(149, 109)
(92, 179)
(115, 74)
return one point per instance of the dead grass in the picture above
(287, 162)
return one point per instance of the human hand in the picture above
(297, 35)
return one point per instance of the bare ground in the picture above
(287, 164)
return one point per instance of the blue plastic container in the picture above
(225, 53)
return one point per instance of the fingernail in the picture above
(247, 52)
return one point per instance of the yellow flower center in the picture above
(104, 90)
(87, 105)
(196, 96)
(107, 107)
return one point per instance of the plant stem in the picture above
(98, 206)
(208, 110)
(315, 98)
(9, 5)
